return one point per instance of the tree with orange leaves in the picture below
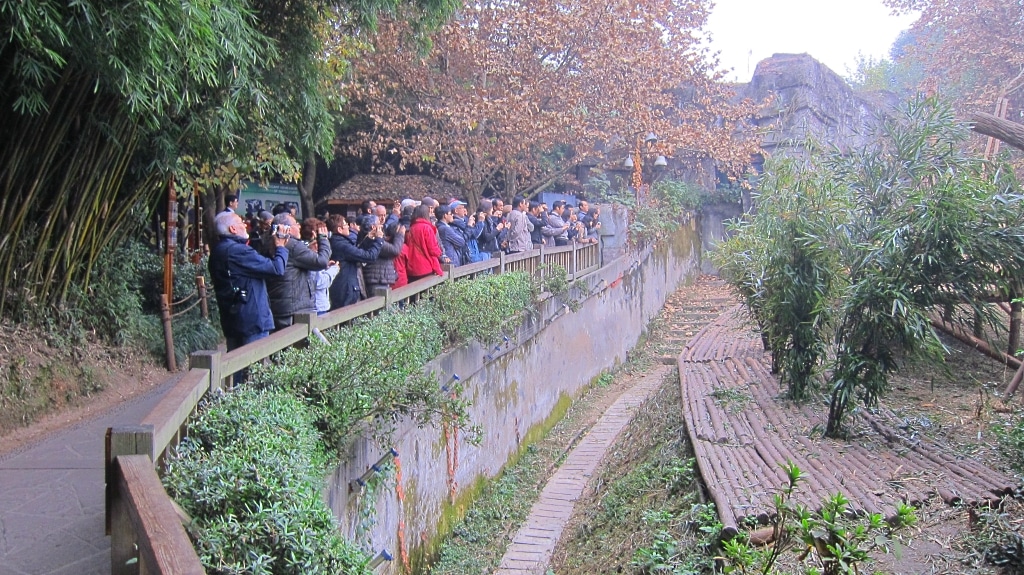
(972, 51)
(509, 92)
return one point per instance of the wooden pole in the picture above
(171, 238)
(165, 315)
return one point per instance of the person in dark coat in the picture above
(452, 241)
(239, 273)
(295, 291)
(345, 290)
(535, 217)
(381, 272)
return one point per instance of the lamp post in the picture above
(645, 147)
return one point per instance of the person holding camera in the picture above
(295, 291)
(239, 275)
(381, 273)
(421, 253)
(351, 254)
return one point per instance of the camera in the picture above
(239, 297)
(281, 231)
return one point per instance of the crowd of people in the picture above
(272, 267)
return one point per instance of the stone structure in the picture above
(810, 101)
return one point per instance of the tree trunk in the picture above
(1010, 132)
(306, 184)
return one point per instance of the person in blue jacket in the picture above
(351, 256)
(238, 272)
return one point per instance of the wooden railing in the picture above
(144, 523)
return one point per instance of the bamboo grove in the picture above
(102, 103)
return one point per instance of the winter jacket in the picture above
(294, 292)
(422, 250)
(324, 280)
(519, 228)
(536, 237)
(381, 272)
(237, 266)
(453, 242)
(555, 229)
(345, 290)
(488, 241)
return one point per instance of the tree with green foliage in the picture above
(916, 227)
(102, 102)
(785, 264)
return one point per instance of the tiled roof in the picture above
(388, 187)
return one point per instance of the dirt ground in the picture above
(46, 386)
(956, 405)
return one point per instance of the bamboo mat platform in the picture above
(743, 431)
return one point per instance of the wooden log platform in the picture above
(743, 430)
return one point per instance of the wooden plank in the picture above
(163, 545)
(167, 417)
(350, 312)
(416, 287)
(475, 268)
(247, 355)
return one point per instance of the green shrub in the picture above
(481, 309)
(250, 475)
(372, 369)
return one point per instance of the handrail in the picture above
(138, 516)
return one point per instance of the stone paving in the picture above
(52, 497)
(531, 548)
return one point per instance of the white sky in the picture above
(832, 31)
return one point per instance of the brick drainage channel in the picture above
(685, 313)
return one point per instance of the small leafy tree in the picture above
(871, 244)
(785, 263)
(929, 228)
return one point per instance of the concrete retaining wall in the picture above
(523, 387)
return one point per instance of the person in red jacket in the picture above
(421, 251)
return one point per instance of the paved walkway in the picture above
(52, 498)
(531, 548)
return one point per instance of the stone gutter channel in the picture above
(686, 312)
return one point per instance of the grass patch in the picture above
(501, 508)
(646, 513)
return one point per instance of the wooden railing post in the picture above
(165, 317)
(540, 267)
(122, 440)
(306, 319)
(447, 271)
(573, 263)
(204, 306)
(210, 361)
(384, 292)
(501, 259)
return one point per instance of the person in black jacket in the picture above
(535, 216)
(381, 272)
(295, 291)
(239, 273)
(345, 290)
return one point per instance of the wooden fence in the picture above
(146, 527)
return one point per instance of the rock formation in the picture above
(811, 101)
